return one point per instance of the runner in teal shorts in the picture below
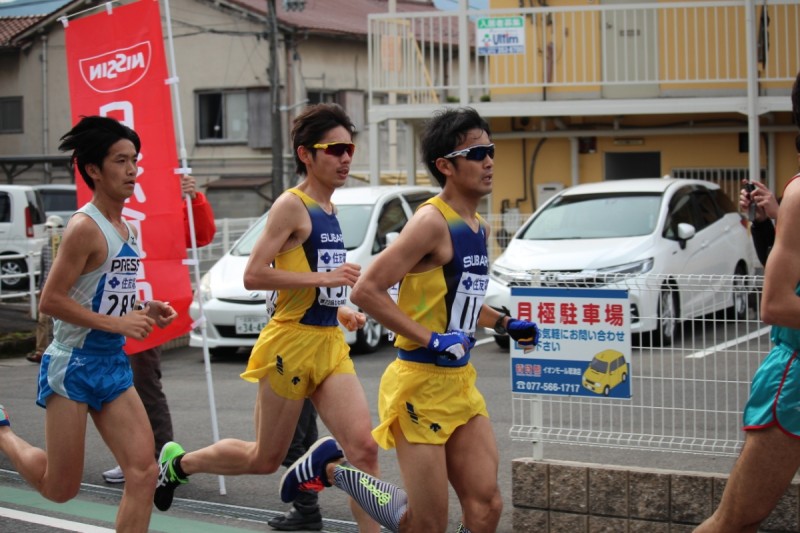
(770, 456)
(775, 392)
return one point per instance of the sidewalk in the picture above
(17, 330)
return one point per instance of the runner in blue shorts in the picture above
(430, 408)
(770, 456)
(91, 294)
(301, 352)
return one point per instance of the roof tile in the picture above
(11, 26)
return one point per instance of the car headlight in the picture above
(508, 276)
(635, 268)
(205, 287)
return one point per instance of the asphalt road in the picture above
(251, 500)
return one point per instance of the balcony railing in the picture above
(647, 50)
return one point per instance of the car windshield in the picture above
(595, 216)
(353, 219)
(599, 366)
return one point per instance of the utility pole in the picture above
(275, 94)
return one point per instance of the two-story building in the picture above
(222, 59)
(588, 90)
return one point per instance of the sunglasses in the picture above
(338, 148)
(473, 153)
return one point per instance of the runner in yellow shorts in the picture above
(428, 402)
(430, 408)
(301, 353)
(296, 358)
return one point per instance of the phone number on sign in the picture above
(567, 388)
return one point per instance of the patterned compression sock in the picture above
(462, 528)
(383, 501)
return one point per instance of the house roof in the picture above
(349, 17)
(14, 34)
(11, 26)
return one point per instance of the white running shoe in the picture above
(114, 475)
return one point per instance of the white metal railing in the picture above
(28, 290)
(686, 397)
(587, 51)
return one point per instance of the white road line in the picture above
(487, 340)
(714, 349)
(66, 525)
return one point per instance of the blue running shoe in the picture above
(4, 421)
(168, 479)
(308, 473)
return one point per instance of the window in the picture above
(5, 207)
(321, 96)
(391, 219)
(353, 102)
(707, 209)
(235, 116)
(680, 211)
(35, 207)
(11, 114)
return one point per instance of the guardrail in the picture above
(30, 291)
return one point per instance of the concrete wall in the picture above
(570, 497)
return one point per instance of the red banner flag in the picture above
(117, 68)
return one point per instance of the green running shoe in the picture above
(168, 479)
(4, 421)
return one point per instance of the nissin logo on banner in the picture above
(118, 69)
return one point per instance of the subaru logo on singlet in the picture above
(117, 69)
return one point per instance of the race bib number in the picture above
(467, 303)
(272, 299)
(119, 294)
(394, 293)
(328, 261)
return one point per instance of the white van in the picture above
(22, 232)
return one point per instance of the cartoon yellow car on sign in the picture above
(607, 370)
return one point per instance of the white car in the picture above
(235, 316)
(22, 232)
(656, 229)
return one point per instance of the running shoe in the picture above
(4, 421)
(294, 520)
(308, 472)
(114, 475)
(168, 479)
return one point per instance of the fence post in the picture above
(32, 286)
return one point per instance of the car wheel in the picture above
(667, 316)
(738, 311)
(624, 377)
(502, 341)
(222, 352)
(14, 266)
(606, 391)
(368, 338)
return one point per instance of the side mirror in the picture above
(685, 232)
(391, 237)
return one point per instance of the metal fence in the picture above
(687, 396)
(28, 290)
(662, 48)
